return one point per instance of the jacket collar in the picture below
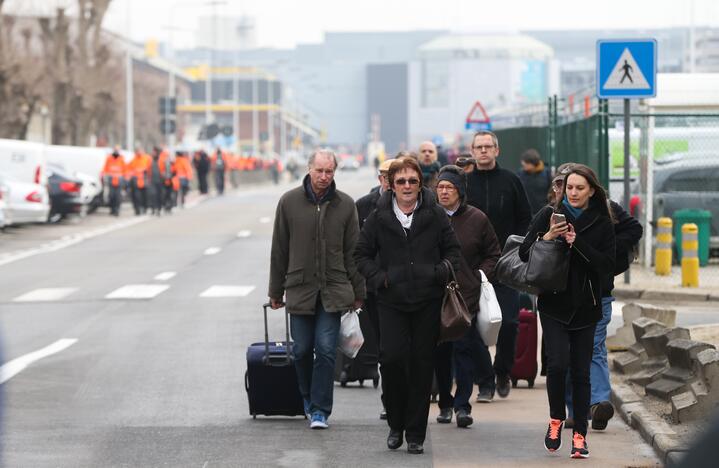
(329, 195)
(589, 216)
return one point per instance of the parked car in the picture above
(3, 206)
(348, 162)
(688, 183)
(65, 193)
(26, 202)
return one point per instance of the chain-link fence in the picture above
(674, 158)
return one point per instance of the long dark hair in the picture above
(599, 199)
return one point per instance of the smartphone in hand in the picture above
(558, 218)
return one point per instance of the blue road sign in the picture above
(476, 126)
(626, 68)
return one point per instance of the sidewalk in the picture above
(649, 286)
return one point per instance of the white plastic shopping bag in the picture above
(351, 338)
(489, 318)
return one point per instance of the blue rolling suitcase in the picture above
(270, 379)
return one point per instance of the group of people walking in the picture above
(160, 181)
(395, 250)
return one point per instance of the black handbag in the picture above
(455, 318)
(548, 265)
(511, 270)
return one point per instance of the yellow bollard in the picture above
(690, 255)
(663, 249)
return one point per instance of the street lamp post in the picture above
(129, 95)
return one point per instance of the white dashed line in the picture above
(67, 241)
(244, 234)
(45, 294)
(212, 251)
(265, 220)
(165, 276)
(138, 291)
(227, 291)
(14, 367)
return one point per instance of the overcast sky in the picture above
(285, 23)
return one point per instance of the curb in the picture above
(667, 444)
(663, 295)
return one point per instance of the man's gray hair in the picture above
(495, 140)
(324, 152)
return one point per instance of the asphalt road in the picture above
(95, 375)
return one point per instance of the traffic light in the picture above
(168, 126)
(168, 105)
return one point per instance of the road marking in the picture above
(227, 291)
(244, 234)
(212, 251)
(14, 367)
(165, 276)
(265, 220)
(138, 291)
(67, 241)
(45, 294)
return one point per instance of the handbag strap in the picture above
(450, 268)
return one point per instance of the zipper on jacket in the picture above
(591, 290)
(580, 253)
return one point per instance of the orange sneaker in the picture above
(579, 446)
(553, 439)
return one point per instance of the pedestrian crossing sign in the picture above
(626, 68)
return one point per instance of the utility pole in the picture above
(129, 95)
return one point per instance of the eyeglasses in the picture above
(483, 147)
(446, 188)
(405, 181)
(558, 184)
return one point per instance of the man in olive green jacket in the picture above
(312, 266)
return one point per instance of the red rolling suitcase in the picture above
(525, 356)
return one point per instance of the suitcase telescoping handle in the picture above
(267, 360)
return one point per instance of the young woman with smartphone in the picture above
(581, 220)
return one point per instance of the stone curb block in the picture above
(713, 297)
(655, 295)
(668, 446)
(628, 293)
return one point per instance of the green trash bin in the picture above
(703, 220)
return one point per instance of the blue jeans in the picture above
(315, 350)
(599, 369)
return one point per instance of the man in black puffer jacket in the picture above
(500, 195)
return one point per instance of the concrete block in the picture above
(665, 315)
(707, 366)
(627, 363)
(656, 340)
(665, 443)
(628, 409)
(649, 425)
(643, 325)
(665, 388)
(624, 336)
(646, 375)
(682, 352)
(623, 394)
(685, 407)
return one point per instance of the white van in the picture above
(23, 161)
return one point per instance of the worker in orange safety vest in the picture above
(138, 172)
(183, 168)
(113, 174)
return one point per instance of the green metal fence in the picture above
(562, 135)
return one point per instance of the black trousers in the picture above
(443, 365)
(408, 337)
(202, 181)
(568, 349)
(508, 299)
(156, 194)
